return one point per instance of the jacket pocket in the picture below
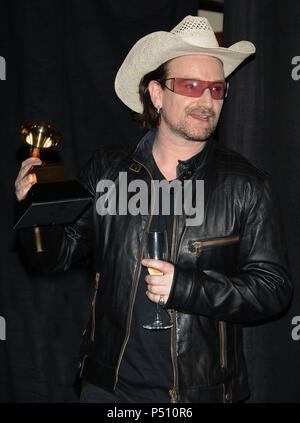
(97, 277)
(217, 242)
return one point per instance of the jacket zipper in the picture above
(97, 277)
(222, 345)
(200, 244)
(172, 392)
(135, 289)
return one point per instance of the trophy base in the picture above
(57, 203)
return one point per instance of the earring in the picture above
(158, 110)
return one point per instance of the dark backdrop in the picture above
(261, 120)
(61, 59)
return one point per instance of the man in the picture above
(227, 270)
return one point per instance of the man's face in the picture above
(191, 118)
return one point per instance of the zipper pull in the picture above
(97, 277)
(197, 245)
(173, 395)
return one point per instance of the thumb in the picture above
(161, 265)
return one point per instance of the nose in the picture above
(206, 98)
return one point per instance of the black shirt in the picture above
(146, 371)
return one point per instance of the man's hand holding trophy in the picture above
(45, 195)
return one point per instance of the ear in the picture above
(155, 91)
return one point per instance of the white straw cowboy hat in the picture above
(193, 35)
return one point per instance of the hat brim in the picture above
(157, 48)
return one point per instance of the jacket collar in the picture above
(185, 168)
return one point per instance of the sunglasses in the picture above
(195, 87)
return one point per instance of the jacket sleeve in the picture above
(63, 245)
(261, 287)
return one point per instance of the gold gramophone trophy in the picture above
(53, 199)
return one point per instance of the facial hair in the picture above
(183, 130)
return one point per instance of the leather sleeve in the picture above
(61, 245)
(262, 286)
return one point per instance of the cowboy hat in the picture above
(193, 35)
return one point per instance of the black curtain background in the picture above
(61, 60)
(261, 121)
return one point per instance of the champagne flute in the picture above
(156, 247)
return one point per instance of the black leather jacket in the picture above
(230, 270)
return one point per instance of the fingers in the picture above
(24, 180)
(155, 280)
(160, 265)
(158, 286)
(22, 187)
(27, 165)
(157, 289)
(156, 297)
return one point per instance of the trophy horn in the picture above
(39, 135)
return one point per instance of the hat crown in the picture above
(196, 30)
(193, 35)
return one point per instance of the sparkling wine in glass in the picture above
(156, 247)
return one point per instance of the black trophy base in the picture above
(57, 203)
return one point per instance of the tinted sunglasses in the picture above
(195, 87)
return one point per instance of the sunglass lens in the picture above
(217, 91)
(195, 88)
(188, 87)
